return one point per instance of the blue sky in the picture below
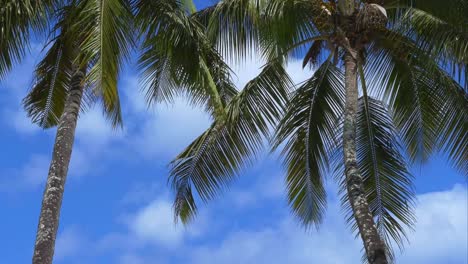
(117, 205)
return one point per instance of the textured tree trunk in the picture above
(375, 248)
(53, 194)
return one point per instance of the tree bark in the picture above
(373, 244)
(53, 194)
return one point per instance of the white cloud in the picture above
(134, 95)
(94, 131)
(155, 223)
(283, 241)
(440, 237)
(441, 234)
(169, 130)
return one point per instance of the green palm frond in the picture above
(45, 102)
(209, 164)
(233, 26)
(308, 132)
(270, 28)
(168, 40)
(445, 41)
(428, 105)
(387, 181)
(214, 158)
(313, 53)
(168, 31)
(452, 11)
(17, 19)
(261, 103)
(290, 22)
(204, 15)
(106, 43)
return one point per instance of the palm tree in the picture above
(390, 89)
(82, 65)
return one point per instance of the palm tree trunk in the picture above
(53, 194)
(375, 248)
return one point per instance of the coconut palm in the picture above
(389, 89)
(89, 40)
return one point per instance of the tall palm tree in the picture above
(82, 65)
(390, 89)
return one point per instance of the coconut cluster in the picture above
(371, 17)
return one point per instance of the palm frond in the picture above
(204, 15)
(215, 158)
(428, 104)
(309, 136)
(17, 19)
(445, 41)
(451, 11)
(106, 43)
(170, 36)
(234, 25)
(387, 181)
(45, 102)
(312, 55)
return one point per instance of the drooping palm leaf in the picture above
(214, 158)
(387, 181)
(452, 11)
(17, 19)
(107, 25)
(233, 26)
(168, 40)
(309, 136)
(45, 102)
(428, 104)
(442, 37)
(291, 22)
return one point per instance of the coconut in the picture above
(371, 17)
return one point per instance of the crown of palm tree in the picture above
(90, 33)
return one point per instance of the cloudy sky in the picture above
(117, 206)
